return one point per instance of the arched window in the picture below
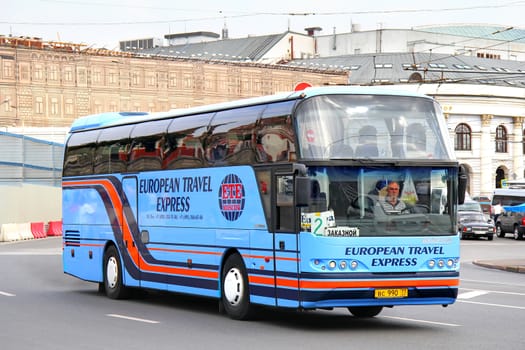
(501, 139)
(463, 138)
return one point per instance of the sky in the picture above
(103, 23)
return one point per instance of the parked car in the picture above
(511, 222)
(486, 204)
(473, 224)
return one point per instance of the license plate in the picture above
(391, 293)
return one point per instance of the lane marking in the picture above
(490, 304)
(53, 252)
(422, 321)
(493, 282)
(132, 318)
(495, 292)
(5, 294)
(472, 294)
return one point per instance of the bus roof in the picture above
(116, 118)
(97, 120)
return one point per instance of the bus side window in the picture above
(185, 142)
(233, 136)
(285, 208)
(147, 146)
(78, 159)
(111, 154)
(264, 180)
(275, 134)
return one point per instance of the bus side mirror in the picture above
(462, 184)
(302, 191)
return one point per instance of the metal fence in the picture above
(25, 159)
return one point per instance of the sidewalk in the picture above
(511, 265)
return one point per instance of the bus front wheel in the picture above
(365, 311)
(113, 285)
(235, 292)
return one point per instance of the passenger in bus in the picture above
(416, 140)
(367, 142)
(318, 201)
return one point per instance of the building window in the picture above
(96, 76)
(8, 69)
(113, 77)
(53, 73)
(135, 79)
(172, 80)
(69, 106)
(501, 139)
(39, 105)
(463, 138)
(68, 74)
(54, 108)
(39, 72)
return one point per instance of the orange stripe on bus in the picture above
(378, 284)
(269, 257)
(184, 251)
(290, 283)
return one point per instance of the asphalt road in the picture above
(41, 308)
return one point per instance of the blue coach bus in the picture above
(278, 201)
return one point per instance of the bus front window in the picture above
(400, 201)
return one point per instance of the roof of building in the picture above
(243, 49)
(479, 31)
(395, 68)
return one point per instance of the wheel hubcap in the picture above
(233, 286)
(112, 272)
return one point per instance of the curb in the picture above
(510, 266)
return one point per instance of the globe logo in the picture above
(231, 197)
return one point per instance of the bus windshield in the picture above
(357, 201)
(371, 126)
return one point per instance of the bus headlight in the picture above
(431, 264)
(332, 264)
(342, 265)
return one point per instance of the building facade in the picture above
(42, 87)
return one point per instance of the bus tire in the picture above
(235, 294)
(113, 285)
(365, 311)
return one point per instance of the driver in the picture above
(391, 203)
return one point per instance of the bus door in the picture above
(286, 254)
(129, 246)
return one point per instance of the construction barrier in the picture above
(38, 230)
(24, 230)
(9, 232)
(54, 228)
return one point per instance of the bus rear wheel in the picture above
(113, 285)
(234, 289)
(365, 311)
